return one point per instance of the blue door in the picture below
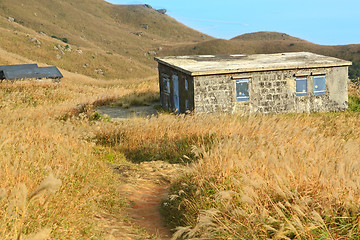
(176, 92)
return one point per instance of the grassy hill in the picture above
(110, 37)
(266, 36)
(102, 40)
(268, 42)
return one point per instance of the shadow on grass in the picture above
(137, 99)
(170, 150)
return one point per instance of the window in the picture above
(301, 86)
(242, 89)
(186, 84)
(319, 85)
(166, 85)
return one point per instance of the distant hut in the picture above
(26, 71)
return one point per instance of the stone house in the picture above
(251, 84)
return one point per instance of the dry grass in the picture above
(280, 177)
(283, 176)
(292, 176)
(52, 181)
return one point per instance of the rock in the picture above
(56, 48)
(35, 14)
(147, 6)
(162, 11)
(145, 26)
(160, 48)
(79, 51)
(99, 71)
(153, 53)
(36, 41)
(62, 52)
(58, 56)
(138, 34)
(85, 65)
(11, 19)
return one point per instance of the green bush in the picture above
(354, 70)
(65, 40)
(354, 104)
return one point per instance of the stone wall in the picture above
(271, 92)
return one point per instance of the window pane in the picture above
(319, 85)
(166, 85)
(242, 89)
(301, 86)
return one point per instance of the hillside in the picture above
(267, 42)
(107, 41)
(98, 39)
(266, 36)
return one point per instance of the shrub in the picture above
(65, 40)
(354, 104)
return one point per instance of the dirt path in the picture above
(145, 187)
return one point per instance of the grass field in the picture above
(286, 176)
(281, 176)
(53, 179)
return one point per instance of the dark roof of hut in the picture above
(23, 71)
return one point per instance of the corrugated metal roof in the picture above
(14, 72)
(17, 67)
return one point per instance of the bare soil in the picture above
(145, 186)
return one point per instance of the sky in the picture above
(326, 22)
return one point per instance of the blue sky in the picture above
(327, 22)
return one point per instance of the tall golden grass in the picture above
(287, 176)
(52, 181)
(281, 176)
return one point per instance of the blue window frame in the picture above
(319, 87)
(301, 86)
(242, 89)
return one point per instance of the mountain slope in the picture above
(111, 37)
(266, 36)
(107, 41)
(269, 42)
